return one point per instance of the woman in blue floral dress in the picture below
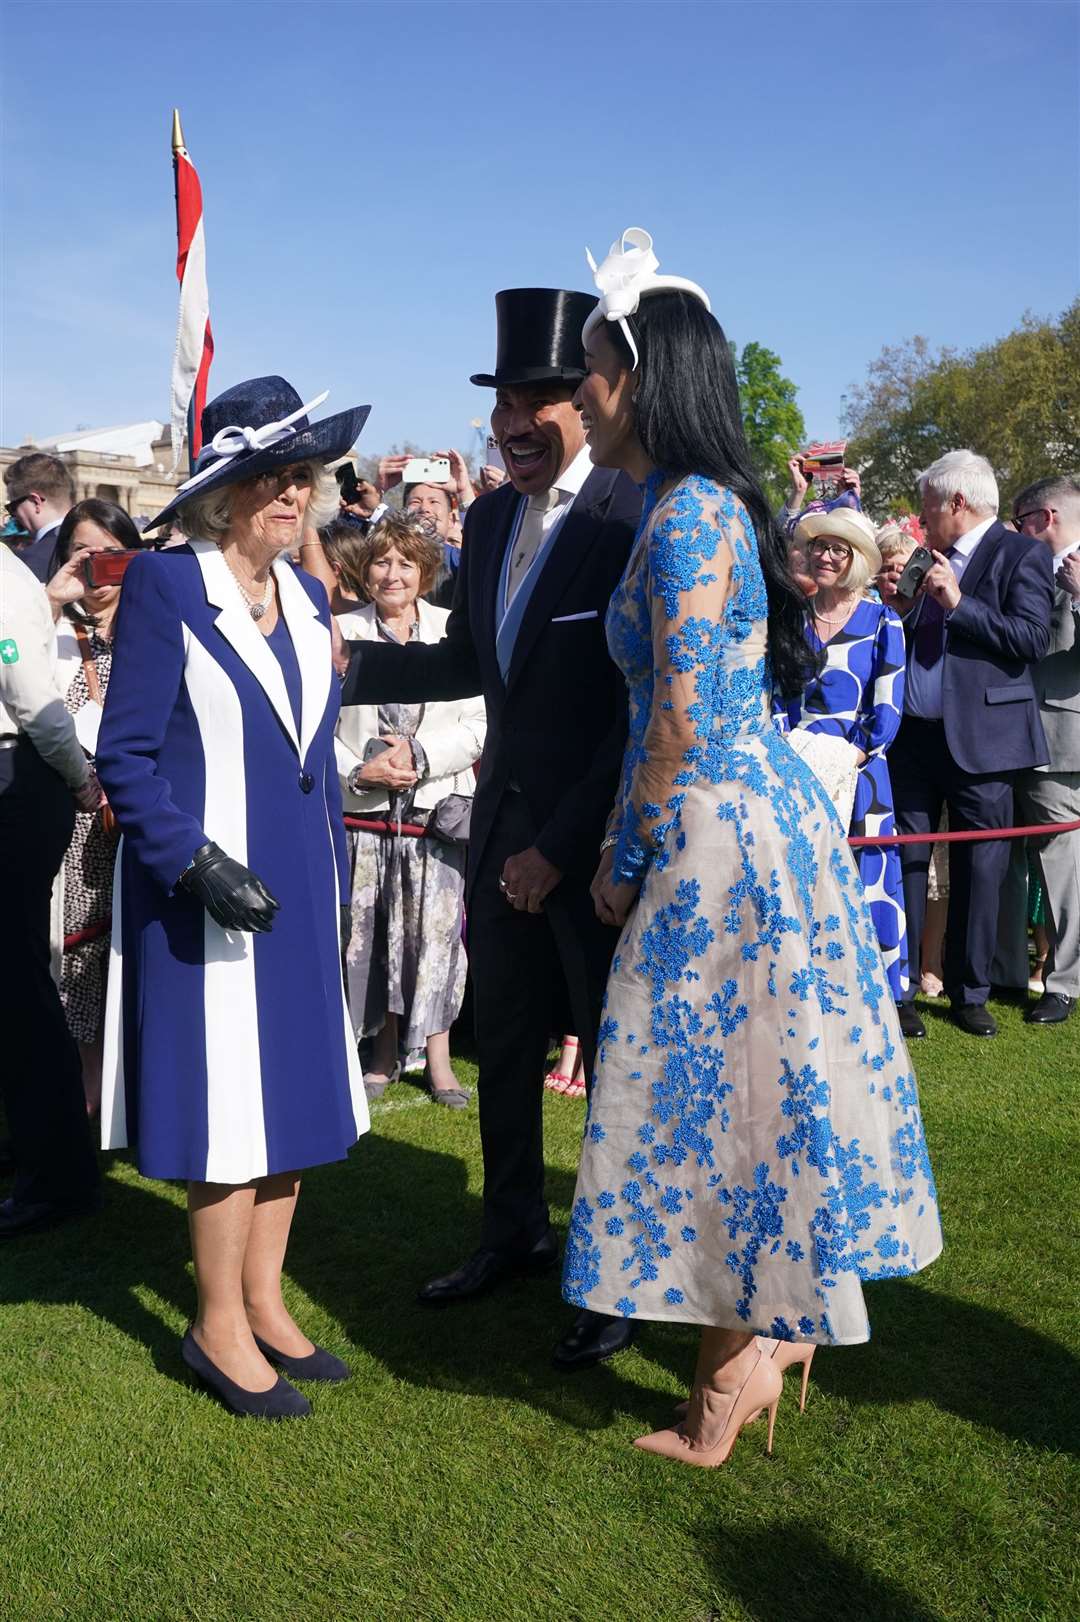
(754, 1150)
(857, 694)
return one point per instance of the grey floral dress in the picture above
(406, 956)
(88, 880)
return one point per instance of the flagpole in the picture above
(177, 148)
(194, 344)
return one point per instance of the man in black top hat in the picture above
(540, 559)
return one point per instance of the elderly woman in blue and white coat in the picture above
(229, 1059)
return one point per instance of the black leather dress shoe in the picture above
(910, 1022)
(28, 1216)
(593, 1338)
(974, 1019)
(486, 1268)
(1051, 1009)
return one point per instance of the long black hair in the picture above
(111, 518)
(687, 417)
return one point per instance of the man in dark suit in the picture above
(39, 491)
(1050, 511)
(541, 557)
(971, 718)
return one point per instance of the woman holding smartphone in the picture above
(82, 894)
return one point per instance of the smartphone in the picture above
(377, 746)
(914, 572)
(493, 456)
(106, 568)
(426, 470)
(821, 458)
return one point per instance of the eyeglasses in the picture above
(830, 549)
(1020, 519)
(17, 501)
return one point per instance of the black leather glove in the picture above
(346, 926)
(229, 891)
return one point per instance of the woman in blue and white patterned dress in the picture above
(858, 694)
(754, 1150)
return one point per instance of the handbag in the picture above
(449, 821)
(833, 761)
(93, 688)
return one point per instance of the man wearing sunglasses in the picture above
(1049, 511)
(39, 491)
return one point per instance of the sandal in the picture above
(556, 1081)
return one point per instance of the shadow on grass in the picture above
(370, 1232)
(789, 1570)
(371, 1229)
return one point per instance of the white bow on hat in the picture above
(627, 274)
(229, 442)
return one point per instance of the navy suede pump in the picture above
(317, 1365)
(282, 1401)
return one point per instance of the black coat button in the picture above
(307, 782)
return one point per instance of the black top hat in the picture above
(257, 426)
(539, 337)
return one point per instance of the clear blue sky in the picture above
(838, 177)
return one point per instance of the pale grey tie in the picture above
(530, 538)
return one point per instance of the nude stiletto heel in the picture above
(760, 1390)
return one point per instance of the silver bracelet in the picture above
(609, 842)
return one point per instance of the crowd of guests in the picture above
(955, 704)
(1014, 909)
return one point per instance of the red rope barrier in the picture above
(92, 932)
(413, 830)
(965, 835)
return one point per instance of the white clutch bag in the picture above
(834, 762)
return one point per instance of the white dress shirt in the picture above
(569, 485)
(922, 690)
(30, 700)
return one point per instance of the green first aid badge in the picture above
(9, 651)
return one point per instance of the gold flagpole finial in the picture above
(177, 132)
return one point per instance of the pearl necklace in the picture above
(841, 620)
(256, 606)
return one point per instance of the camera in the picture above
(914, 572)
(426, 470)
(106, 568)
(824, 460)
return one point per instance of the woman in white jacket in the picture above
(397, 762)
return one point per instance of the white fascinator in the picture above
(627, 275)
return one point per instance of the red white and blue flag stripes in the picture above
(194, 341)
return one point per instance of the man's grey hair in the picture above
(207, 517)
(961, 473)
(1060, 492)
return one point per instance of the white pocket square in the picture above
(565, 619)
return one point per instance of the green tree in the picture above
(774, 424)
(1016, 401)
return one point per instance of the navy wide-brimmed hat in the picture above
(257, 426)
(539, 337)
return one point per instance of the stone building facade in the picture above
(139, 481)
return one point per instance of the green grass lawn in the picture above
(457, 1476)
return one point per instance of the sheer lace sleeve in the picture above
(690, 560)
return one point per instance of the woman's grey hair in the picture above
(961, 473)
(892, 539)
(207, 517)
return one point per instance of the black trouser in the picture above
(534, 975)
(40, 1072)
(925, 777)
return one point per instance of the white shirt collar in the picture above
(970, 540)
(1059, 557)
(569, 483)
(46, 529)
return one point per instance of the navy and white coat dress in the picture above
(228, 1056)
